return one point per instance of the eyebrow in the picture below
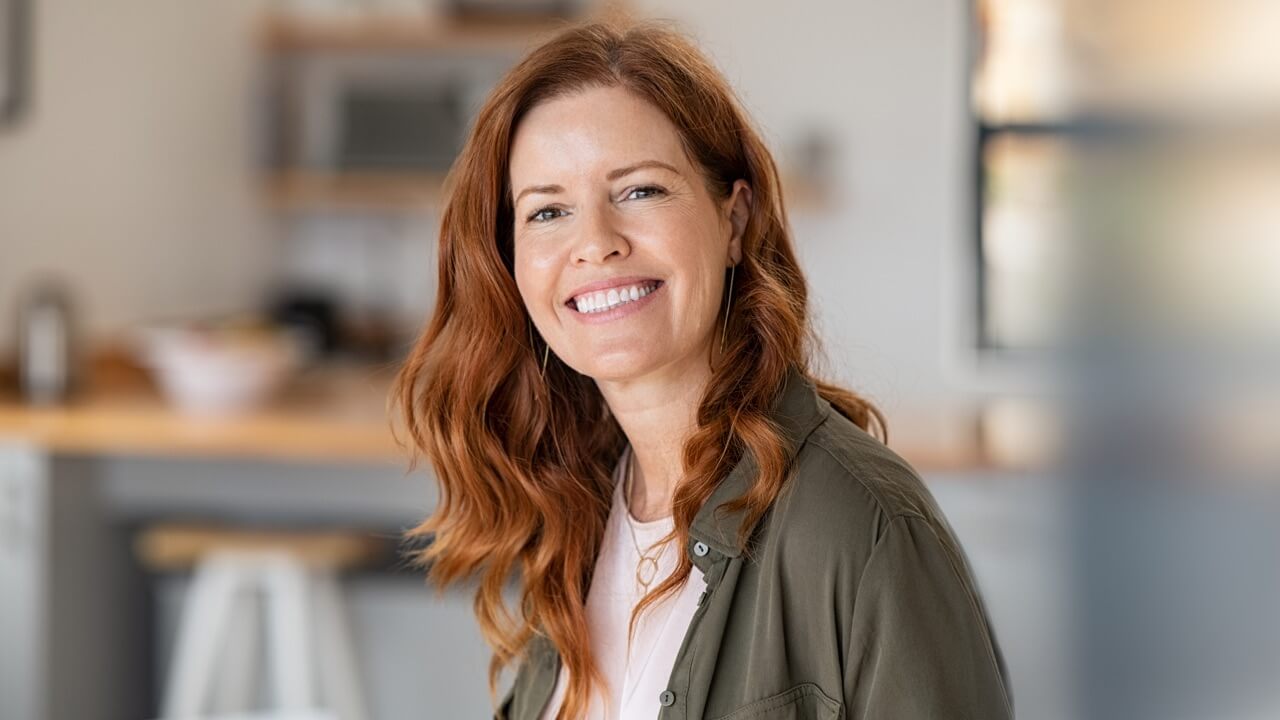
(613, 175)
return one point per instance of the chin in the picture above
(617, 367)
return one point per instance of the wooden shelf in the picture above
(290, 34)
(398, 192)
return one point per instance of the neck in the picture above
(657, 412)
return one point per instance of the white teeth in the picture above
(602, 301)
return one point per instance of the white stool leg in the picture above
(341, 679)
(239, 677)
(205, 615)
(285, 580)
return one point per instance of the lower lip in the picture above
(621, 311)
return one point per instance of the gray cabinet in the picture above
(72, 610)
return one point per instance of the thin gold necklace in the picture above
(648, 564)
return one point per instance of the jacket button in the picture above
(700, 548)
(667, 698)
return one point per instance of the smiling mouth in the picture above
(603, 301)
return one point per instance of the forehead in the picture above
(590, 132)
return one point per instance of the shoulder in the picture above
(842, 464)
(847, 490)
(840, 451)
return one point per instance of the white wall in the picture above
(132, 170)
(889, 267)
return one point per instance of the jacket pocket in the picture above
(805, 701)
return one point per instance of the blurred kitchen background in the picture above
(1042, 235)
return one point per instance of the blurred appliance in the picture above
(314, 314)
(398, 127)
(378, 113)
(46, 343)
(514, 10)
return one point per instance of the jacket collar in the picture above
(797, 411)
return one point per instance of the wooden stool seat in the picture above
(180, 546)
(310, 652)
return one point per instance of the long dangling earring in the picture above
(545, 353)
(729, 304)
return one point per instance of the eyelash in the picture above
(653, 188)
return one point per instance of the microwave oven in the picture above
(375, 114)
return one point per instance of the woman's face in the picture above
(620, 249)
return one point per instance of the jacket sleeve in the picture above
(921, 645)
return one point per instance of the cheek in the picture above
(535, 278)
(695, 249)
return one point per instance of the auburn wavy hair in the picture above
(524, 461)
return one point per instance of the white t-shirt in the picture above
(634, 686)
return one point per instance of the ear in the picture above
(739, 208)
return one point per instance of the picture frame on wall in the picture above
(13, 59)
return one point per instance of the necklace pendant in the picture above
(646, 570)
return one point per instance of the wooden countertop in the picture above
(339, 413)
(329, 413)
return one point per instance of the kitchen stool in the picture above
(308, 643)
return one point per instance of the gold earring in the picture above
(732, 269)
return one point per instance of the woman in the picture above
(615, 394)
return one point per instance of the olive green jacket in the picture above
(858, 603)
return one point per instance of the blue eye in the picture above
(646, 188)
(537, 216)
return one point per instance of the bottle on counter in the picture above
(46, 343)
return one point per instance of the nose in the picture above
(598, 237)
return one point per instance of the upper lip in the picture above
(610, 283)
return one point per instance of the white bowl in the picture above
(212, 373)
